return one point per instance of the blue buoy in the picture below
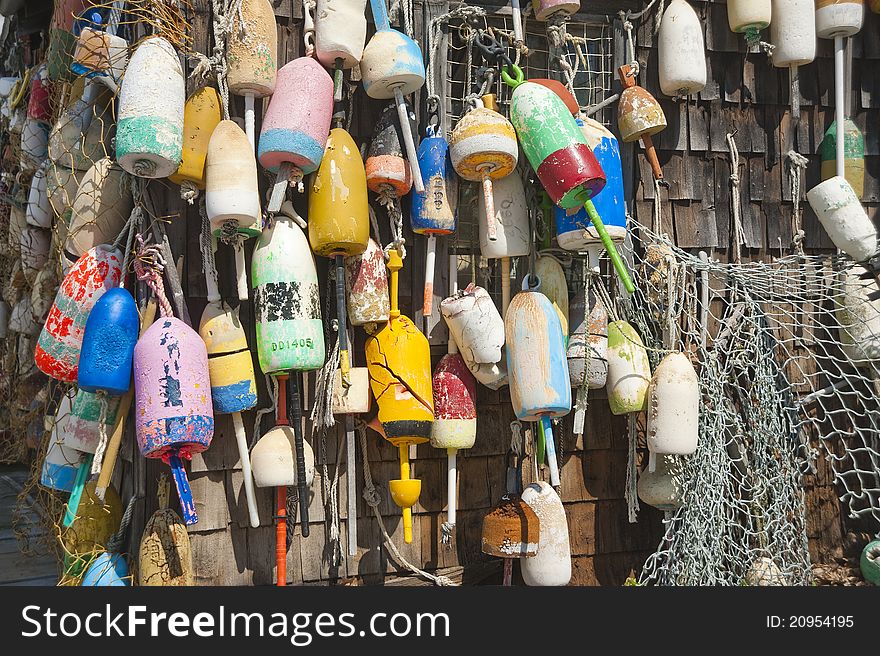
(107, 570)
(108, 344)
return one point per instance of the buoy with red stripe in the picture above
(545, 9)
(95, 272)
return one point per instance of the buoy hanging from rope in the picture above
(475, 325)
(681, 51)
(392, 67)
(399, 361)
(252, 57)
(201, 115)
(551, 566)
(639, 116)
(793, 35)
(587, 351)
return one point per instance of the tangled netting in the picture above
(785, 352)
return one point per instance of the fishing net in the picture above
(785, 352)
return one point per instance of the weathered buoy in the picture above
(475, 324)
(764, 573)
(340, 32)
(60, 466)
(552, 564)
(681, 51)
(544, 9)
(392, 67)
(149, 134)
(639, 116)
(108, 344)
(660, 485)
(839, 18)
(399, 360)
(95, 272)
(853, 153)
(82, 428)
(100, 209)
(61, 186)
(483, 148)
(536, 365)
(39, 107)
(252, 57)
(366, 286)
(560, 90)
(107, 570)
(841, 214)
(174, 417)
(793, 35)
(273, 459)
(34, 144)
(674, 406)
(232, 198)
(296, 125)
(165, 554)
(100, 54)
(858, 318)
(748, 16)
(79, 137)
(39, 211)
(869, 562)
(34, 249)
(201, 115)
(511, 530)
(386, 167)
(587, 351)
(555, 287)
(95, 522)
(629, 372)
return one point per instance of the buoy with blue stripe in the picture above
(392, 67)
(536, 364)
(560, 155)
(399, 361)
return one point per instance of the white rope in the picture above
(739, 238)
(330, 495)
(101, 395)
(632, 471)
(389, 200)
(322, 411)
(796, 164)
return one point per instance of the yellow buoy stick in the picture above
(405, 476)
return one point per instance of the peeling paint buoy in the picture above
(366, 286)
(109, 338)
(475, 324)
(587, 351)
(841, 214)
(853, 152)
(551, 566)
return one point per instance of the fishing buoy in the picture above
(34, 144)
(858, 318)
(511, 229)
(82, 428)
(660, 485)
(39, 211)
(60, 467)
(174, 418)
(296, 126)
(107, 570)
(639, 116)
(511, 530)
(560, 90)
(108, 344)
(483, 148)
(232, 198)
(544, 9)
(100, 209)
(392, 67)
(555, 287)
(841, 214)
(100, 54)
(339, 219)
(629, 372)
(748, 16)
(475, 324)
(536, 365)
(764, 573)
(165, 554)
(431, 212)
(149, 133)
(587, 351)
(869, 562)
(79, 137)
(201, 116)
(233, 384)
(552, 564)
(839, 18)
(681, 51)
(95, 272)
(793, 35)
(854, 155)
(366, 286)
(340, 32)
(252, 57)
(95, 523)
(61, 186)
(574, 231)
(673, 406)
(559, 154)
(38, 107)
(386, 167)
(34, 249)
(399, 361)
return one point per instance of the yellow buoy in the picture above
(201, 114)
(165, 556)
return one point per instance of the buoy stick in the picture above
(281, 402)
(249, 118)
(351, 484)
(344, 366)
(337, 80)
(302, 484)
(451, 485)
(408, 141)
(430, 257)
(380, 15)
(505, 285)
(794, 82)
(550, 448)
(240, 272)
(839, 107)
(281, 535)
(619, 266)
(279, 188)
(403, 448)
(517, 21)
(184, 493)
(110, 455)
(489, 204)
(241, 441)
(82, 475)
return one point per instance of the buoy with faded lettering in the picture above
(392, 67)
(559, 154)
(483, 148)
(674, 406)
(100, 209)
(296, 126)
(252, 57)
(681, 51)
(853, 154)
(149, 132)
(39, 211)
(475, 324)
(366, 286)
(201, 115)
(174, 417)
(841, 214)
(98, 270)
(629, 372)
(399, 361)
(551, 566)
(639, 116)
(660, 483)
(749, 17)
(536, 363)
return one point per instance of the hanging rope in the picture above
(101, 396)
(149, 264)
(116, 542)
(739, 238)
(330, 495)
(632, 470)
(224, 14)
(207, 248)
(795, 165)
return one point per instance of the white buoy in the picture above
(674, 406)
(475, 324)
(273, 459)
(793, 35)
(340, 32)
(34, 144)
(749, 16)
(838, 18)
(61, 186)
(39, 211)
(660, 483)
(858, 318)
(681, 51)
(34, 251)
(102, 205)
(231, 192)
(552, 565)
(629, 372)
(841, 214)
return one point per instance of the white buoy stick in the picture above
(839, 107)
(276, 198)
(351, 484)
(430, 257)
(249, 119)
(408, 141)
(489, 204)
(451, 485)
(241, 272)
(517, 21)
(241, 441)
(550, 451)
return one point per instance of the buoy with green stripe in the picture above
(853, 155)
